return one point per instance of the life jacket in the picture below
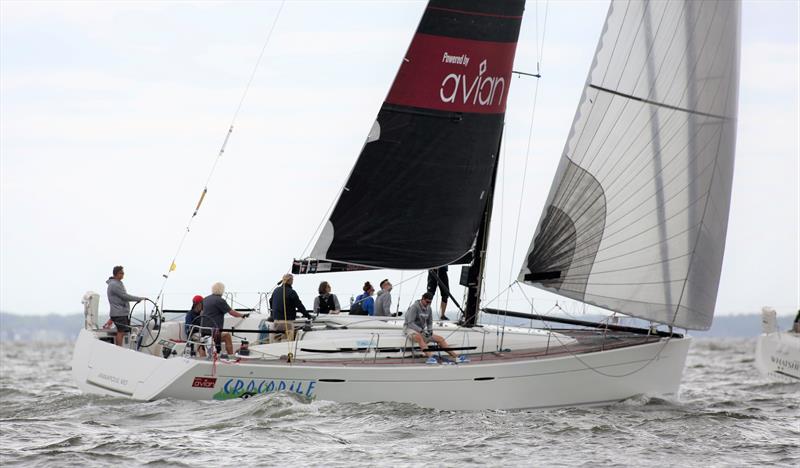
(358, 306)
(326, 304)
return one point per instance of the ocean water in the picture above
(727, 416)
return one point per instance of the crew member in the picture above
(326, 303)
(285, 305)
(119, 301)
(213, 318)
(419, 328)
(443, 284)
(383, 301)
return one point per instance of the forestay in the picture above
(415, 197)
(636, 218)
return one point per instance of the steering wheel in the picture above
(146, 316)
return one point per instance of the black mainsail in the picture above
(418, 192)
(637, 214)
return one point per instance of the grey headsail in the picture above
(636, 218)
(417, 193)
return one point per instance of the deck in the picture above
(588, 341)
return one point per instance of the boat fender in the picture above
(209, 344)
(91, 306)
(769, 322)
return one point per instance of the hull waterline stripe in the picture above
(590, 403)
(517, 376)
(787, 375)
(104, 387)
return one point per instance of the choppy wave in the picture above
(727, 416)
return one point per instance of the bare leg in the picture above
(442, 309)
(422, 345)
(443, 344)
(226, 337)
(118, 338)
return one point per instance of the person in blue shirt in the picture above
(365, 302)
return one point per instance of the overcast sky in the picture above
(112, 113)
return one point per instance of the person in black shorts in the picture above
(119, 302)
(444, 287)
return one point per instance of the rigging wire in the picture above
(203, 194)
(539, 60)
(588, 366)
(502, 202)
(323, 220)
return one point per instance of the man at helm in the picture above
(119, 301)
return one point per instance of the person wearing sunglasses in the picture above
(418, 327)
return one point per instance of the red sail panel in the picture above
(454, 75)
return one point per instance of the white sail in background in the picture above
(637, 215)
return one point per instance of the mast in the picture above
(475, 273)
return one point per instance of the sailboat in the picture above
(634, 223)
(777, 353)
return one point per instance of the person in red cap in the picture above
(193, 318)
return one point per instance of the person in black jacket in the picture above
(285, 305)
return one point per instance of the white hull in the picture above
(592, 378)
(778, 356)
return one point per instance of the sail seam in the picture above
(636, 84)
(632, 252)
(659, 104)
(473, 13)
(632, 210)
(663, 126)
(604, 233)
(649, 119)
(676, 133)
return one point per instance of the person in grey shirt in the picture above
(418, 326)
(213, 318)
(383, 302)
(119, 301)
